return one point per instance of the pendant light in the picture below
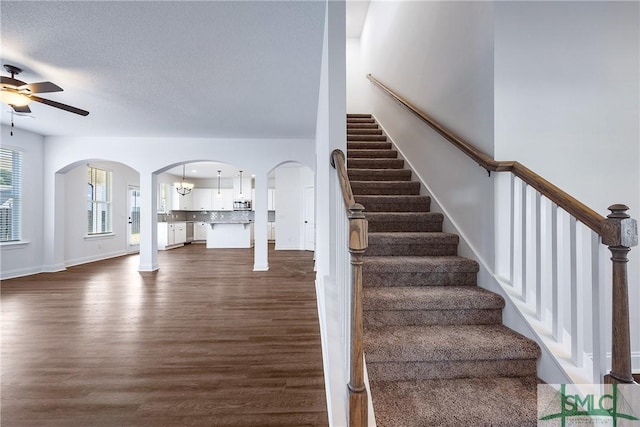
(240, 194)
(183, 188)
(219, 172)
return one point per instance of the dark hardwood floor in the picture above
(204, 341)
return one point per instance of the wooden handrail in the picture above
(580, 211)
(618, 231)
(358, 242)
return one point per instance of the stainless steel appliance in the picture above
(189, 231)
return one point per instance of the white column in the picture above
(148, 221)
(54, 196)
(260, 249)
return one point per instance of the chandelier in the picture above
(183, 188)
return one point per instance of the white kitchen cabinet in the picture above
(245, 187)
(179, 232)
(182, 203)
(203, 199)
(200, 231)
(224, 201)
(171, 234)
(271, 199)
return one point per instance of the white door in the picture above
(133, 226)
(309, 219)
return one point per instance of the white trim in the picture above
(100, 236)
(14, 244)
(261, 267)
(53, 268)
(20, 272)
(93, 258)
(148, 267)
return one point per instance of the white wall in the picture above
(23, 259)
(438, 55)
(567, 103)
(356, 89)
(289, 194)
(80, 248)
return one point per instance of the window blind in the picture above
(10, 195)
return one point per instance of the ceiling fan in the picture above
(19, 94)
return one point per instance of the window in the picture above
(10, 195)
(99, 201)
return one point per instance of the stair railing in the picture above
(618, 231)
(357, 244)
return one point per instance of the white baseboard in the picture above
(53, 268)
(261, 267)
(20, 272)
(96, 257)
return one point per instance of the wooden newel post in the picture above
(358, 242)
(620, 233)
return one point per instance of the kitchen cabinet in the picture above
(246, 188)
(179, 232)
(200, 231)
(171, 234)
(271, 231)
(203, 199)
(271, 199)
(182, 203)
(223, 201)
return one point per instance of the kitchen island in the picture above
(230, 234)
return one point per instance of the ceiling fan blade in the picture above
(11, 82)
(21, 109)
(41, 87)
(59, 105)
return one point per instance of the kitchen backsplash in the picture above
(209, 216)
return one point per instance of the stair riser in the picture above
(411, 250)
(360, 121)
(364, 145)
(379, 318)
(379, 174)
(366, 138)
(376, 278)
(404, 371)
(361, 126)
(375, 163)
(414, 204)
(361, 131)
(408, 188)
(369, 154)
(403, 227)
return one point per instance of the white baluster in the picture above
(577, 337)
(556, 321)
(512, 237)
(523, 253)
(538, 232)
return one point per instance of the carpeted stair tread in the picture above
(430, 298)
(447, 343)
(369, 153)
(467, 402)
(409, 188)
(403, 222)
(394, 203)
(412, 244)
(375, 163)
(365, 174)
(358, 115)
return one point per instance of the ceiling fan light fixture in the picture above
(14, 99)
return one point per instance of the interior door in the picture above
(309, 219)
(133, 226)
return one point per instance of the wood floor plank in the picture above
(204, 341)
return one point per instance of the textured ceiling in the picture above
(169, 68)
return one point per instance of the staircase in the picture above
(437, 353)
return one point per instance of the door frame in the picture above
(131, 248)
